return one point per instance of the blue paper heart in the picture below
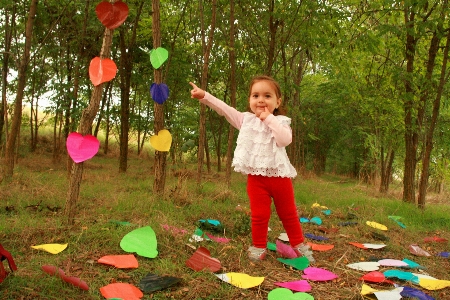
(414, 293)
(315, 237)
(159, 92)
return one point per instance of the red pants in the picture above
(261, 190)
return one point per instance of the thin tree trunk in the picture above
(87, 117)
(21, 81)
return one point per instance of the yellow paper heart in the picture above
(162, 141)
(366, 290)
(241, 280)
(376, 225)
(51, 248)
(432, 284)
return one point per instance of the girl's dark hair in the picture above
(281, 110)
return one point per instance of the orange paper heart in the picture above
(102, 70)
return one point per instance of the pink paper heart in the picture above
(201, 259)
(112, 15)
(81, 148)
(217, 239)
(285, 251)
(298, 286)
(101, 70)
(318, 274)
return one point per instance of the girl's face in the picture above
(262, 95)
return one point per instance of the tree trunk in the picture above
(21, 81)
(273, 27)
(204, 81)
(160, 156)
(232, 59)
(410, 144)
(429, 136)
(87, 117)
(386, 171)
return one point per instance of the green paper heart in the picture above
(286, 294)
(271, 246)
(300, 263)
(141, 241)
(158, 56)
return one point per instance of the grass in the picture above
(31, 214)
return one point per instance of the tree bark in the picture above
(87, 118)
(21, 81)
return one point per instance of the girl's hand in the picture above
(264, 114)
(197, 92)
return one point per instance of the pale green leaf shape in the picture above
(158, 57)
(141, 241)
(286, 294)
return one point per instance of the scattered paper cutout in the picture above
(348, 223)
(240, 280)
(389, 295)
(374, 246)
(122, 223)
(421, 276)
(271, 246)
(75, 281)
(366, 290)
(112, 15)
(162, 141)
(320, 247)
(211, 225)
(316, 220)
(396, 219)
(174, 230)
(408, 276)
(159, 92)
(201, 259)
(298, 285)
(284, 237)
(318, 274)
(158, 57)
(284, 250)
(299, 263)
(102, 70)
(218, 239)
(376, 277)
(433, 284)
(141, 241)
(392, 263)
(359, 245)
(127, 261)
(81, 148)
(444, 254)
(416, 250)
(51, 248)
(122, 291)
(315, 237)
(365, 266)
(317, 205)
(326, 212)
(376, 225)
(412, 264)
(286, 294)
(410, 292)
(434, 239)
(152, 282)
(304, 220)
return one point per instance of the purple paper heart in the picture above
(159, 92)
(285, 251)
(315, 237)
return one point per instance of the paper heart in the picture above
(416, 250)
(141, 241)
(162, 141)
(433, 284)
(81, 148)
(318, 274)
(284, 250)
(285, 294)
(240, 280)
(51, 248)
(376, 225)
(201, 259)
(284, 237)
(101, 70)
(299, 263)
(153, 282)
(121, 291)
(159, 92)
(365, 266)
(158, 57)
(401, 275)
(217, 239)
(298, 285)
(392, 263)
(112, 15)
(413, 293)
(120, 261)
(375, 276)
(315, 237)
(320, 247)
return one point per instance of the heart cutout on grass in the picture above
(141, 241)
(121, 290)
(102, 70)
(298, 285)
(162, 141)
(127, 261)
(201, 259)
(75, 281)
(285, 294)
(152, 282)
(112, 15)
(81, 148)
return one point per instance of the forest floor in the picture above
(113, 204)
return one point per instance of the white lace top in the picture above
(261, 145)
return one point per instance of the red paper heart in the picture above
(375, 276)
(101, 70)
(81, 148)
(112, 15)
(52, 270)
(201, 259)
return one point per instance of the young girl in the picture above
(261, 155)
